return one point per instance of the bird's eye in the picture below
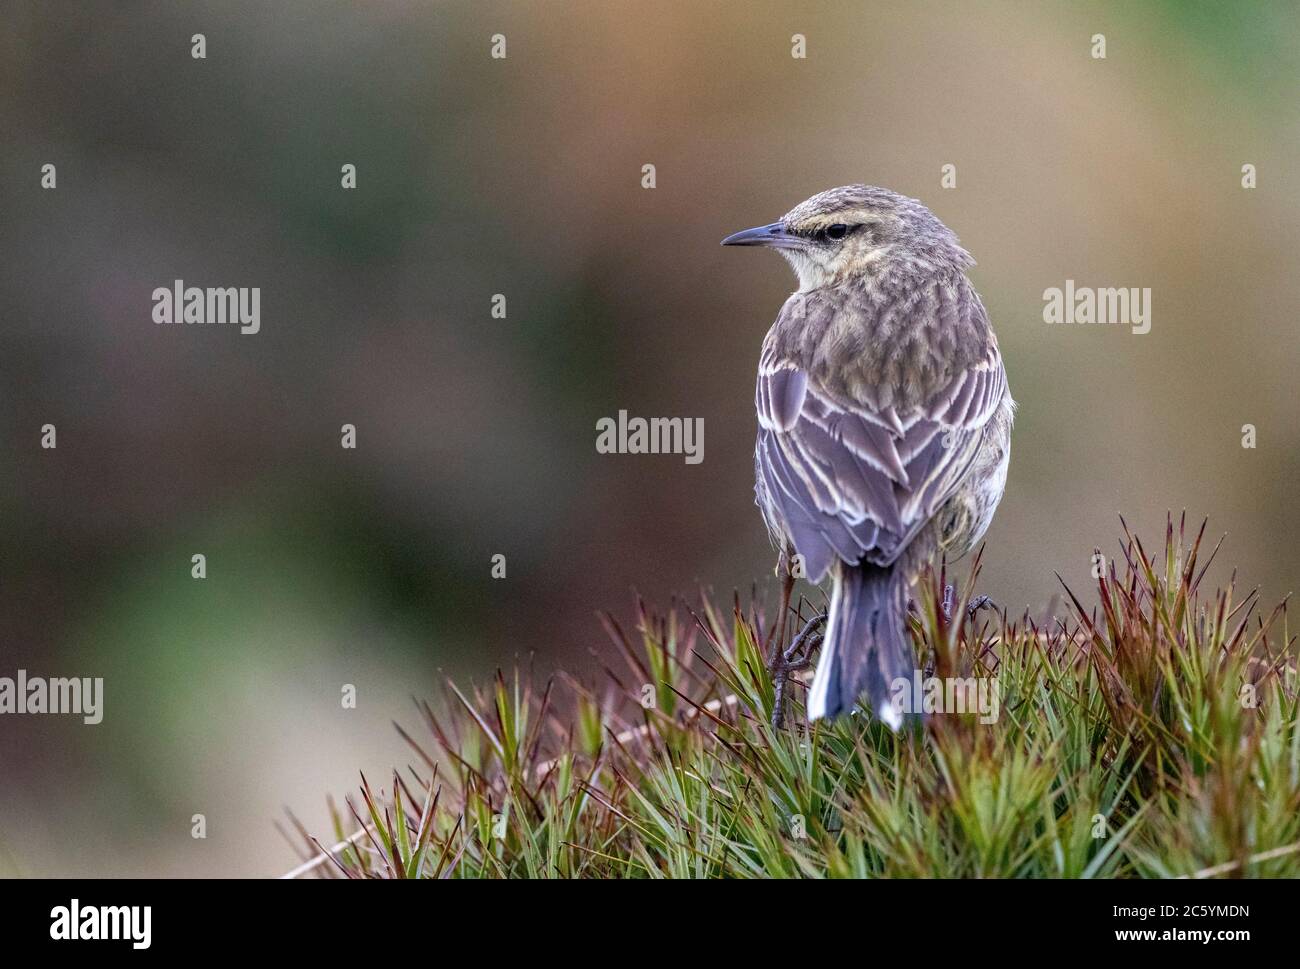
(837, 231)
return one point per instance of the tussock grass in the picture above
(1154, 734)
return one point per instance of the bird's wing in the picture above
(852, 480)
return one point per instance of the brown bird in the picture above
(884, 424)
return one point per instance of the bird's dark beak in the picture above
(774, 236)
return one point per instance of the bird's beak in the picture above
(774, 236)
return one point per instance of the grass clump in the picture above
(1156, 734)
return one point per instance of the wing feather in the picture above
(849, 480)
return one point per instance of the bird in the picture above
(884, 426)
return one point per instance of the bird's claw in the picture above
(978, 603)
(972, 608)
(787, 661)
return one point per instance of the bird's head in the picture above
(857, 231)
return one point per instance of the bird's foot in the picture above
(787, 661)
(978, 603)
(972, 608)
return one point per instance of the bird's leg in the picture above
(809, 639)
(786, 574)
(777, 665)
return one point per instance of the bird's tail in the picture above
(867, 646)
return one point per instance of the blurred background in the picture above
(476, 435)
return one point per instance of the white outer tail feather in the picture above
(825, 663)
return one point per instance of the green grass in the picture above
(1153, 735)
